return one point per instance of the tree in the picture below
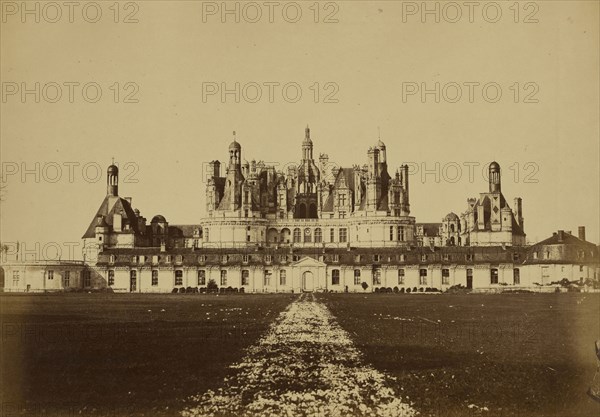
(364, 286)
(212, 286)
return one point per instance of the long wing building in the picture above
(313, 226)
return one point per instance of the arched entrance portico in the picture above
(308, 281)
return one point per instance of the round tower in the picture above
(307, 145)
(494, 177)
(235, 153)
(112, 181)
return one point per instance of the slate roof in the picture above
(119, 205)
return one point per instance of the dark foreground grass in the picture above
(122, 355)
(453, 355)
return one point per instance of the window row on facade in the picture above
(178, 277)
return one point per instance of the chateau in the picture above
(315, 227)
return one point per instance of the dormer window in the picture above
(179, 259)
(111, 259)
(423, 258)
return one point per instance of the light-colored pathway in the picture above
(305, 365)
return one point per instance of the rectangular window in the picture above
(516, 276)
(224, 259)
(111, 277)
(446, 257)
(87, 278)
(335, 277)
(223, 277)
(111, 259)
(391, 232)
(168, 260)
(343, 235)
(16, 278)
(132, 280)
(154, 259)
(357, 258)
(179, 259)
(445, 276)
(67, 279)
(201, 277)
(422, 276)
(245, 277)
(376, 258)
(297, 235)
(134, 259)
(545, 274)
(282, 277)
(267, 278)
(357, 277)
(493, 276)
(332, 235)
(154, 277)
(245, 258)
(423, 258)
(580, 268)
(515, 256)
(401, 233)
(469, 256)
(50, 274)
(401, 276)
(376, 276)
(336, 258)
(268, 258)
(178, 277)
(402, 257)
(318, 236)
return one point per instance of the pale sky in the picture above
(548, 150)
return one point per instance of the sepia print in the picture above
(302, 208)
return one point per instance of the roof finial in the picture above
(113, 160)
(234, 135)
(307, 132)
(378, 133)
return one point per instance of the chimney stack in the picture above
(582, 233)
(561, 235)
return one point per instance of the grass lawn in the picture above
(109, 355)
(453, 355)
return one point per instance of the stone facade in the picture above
(313, 228)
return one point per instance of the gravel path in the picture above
(305, 365)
